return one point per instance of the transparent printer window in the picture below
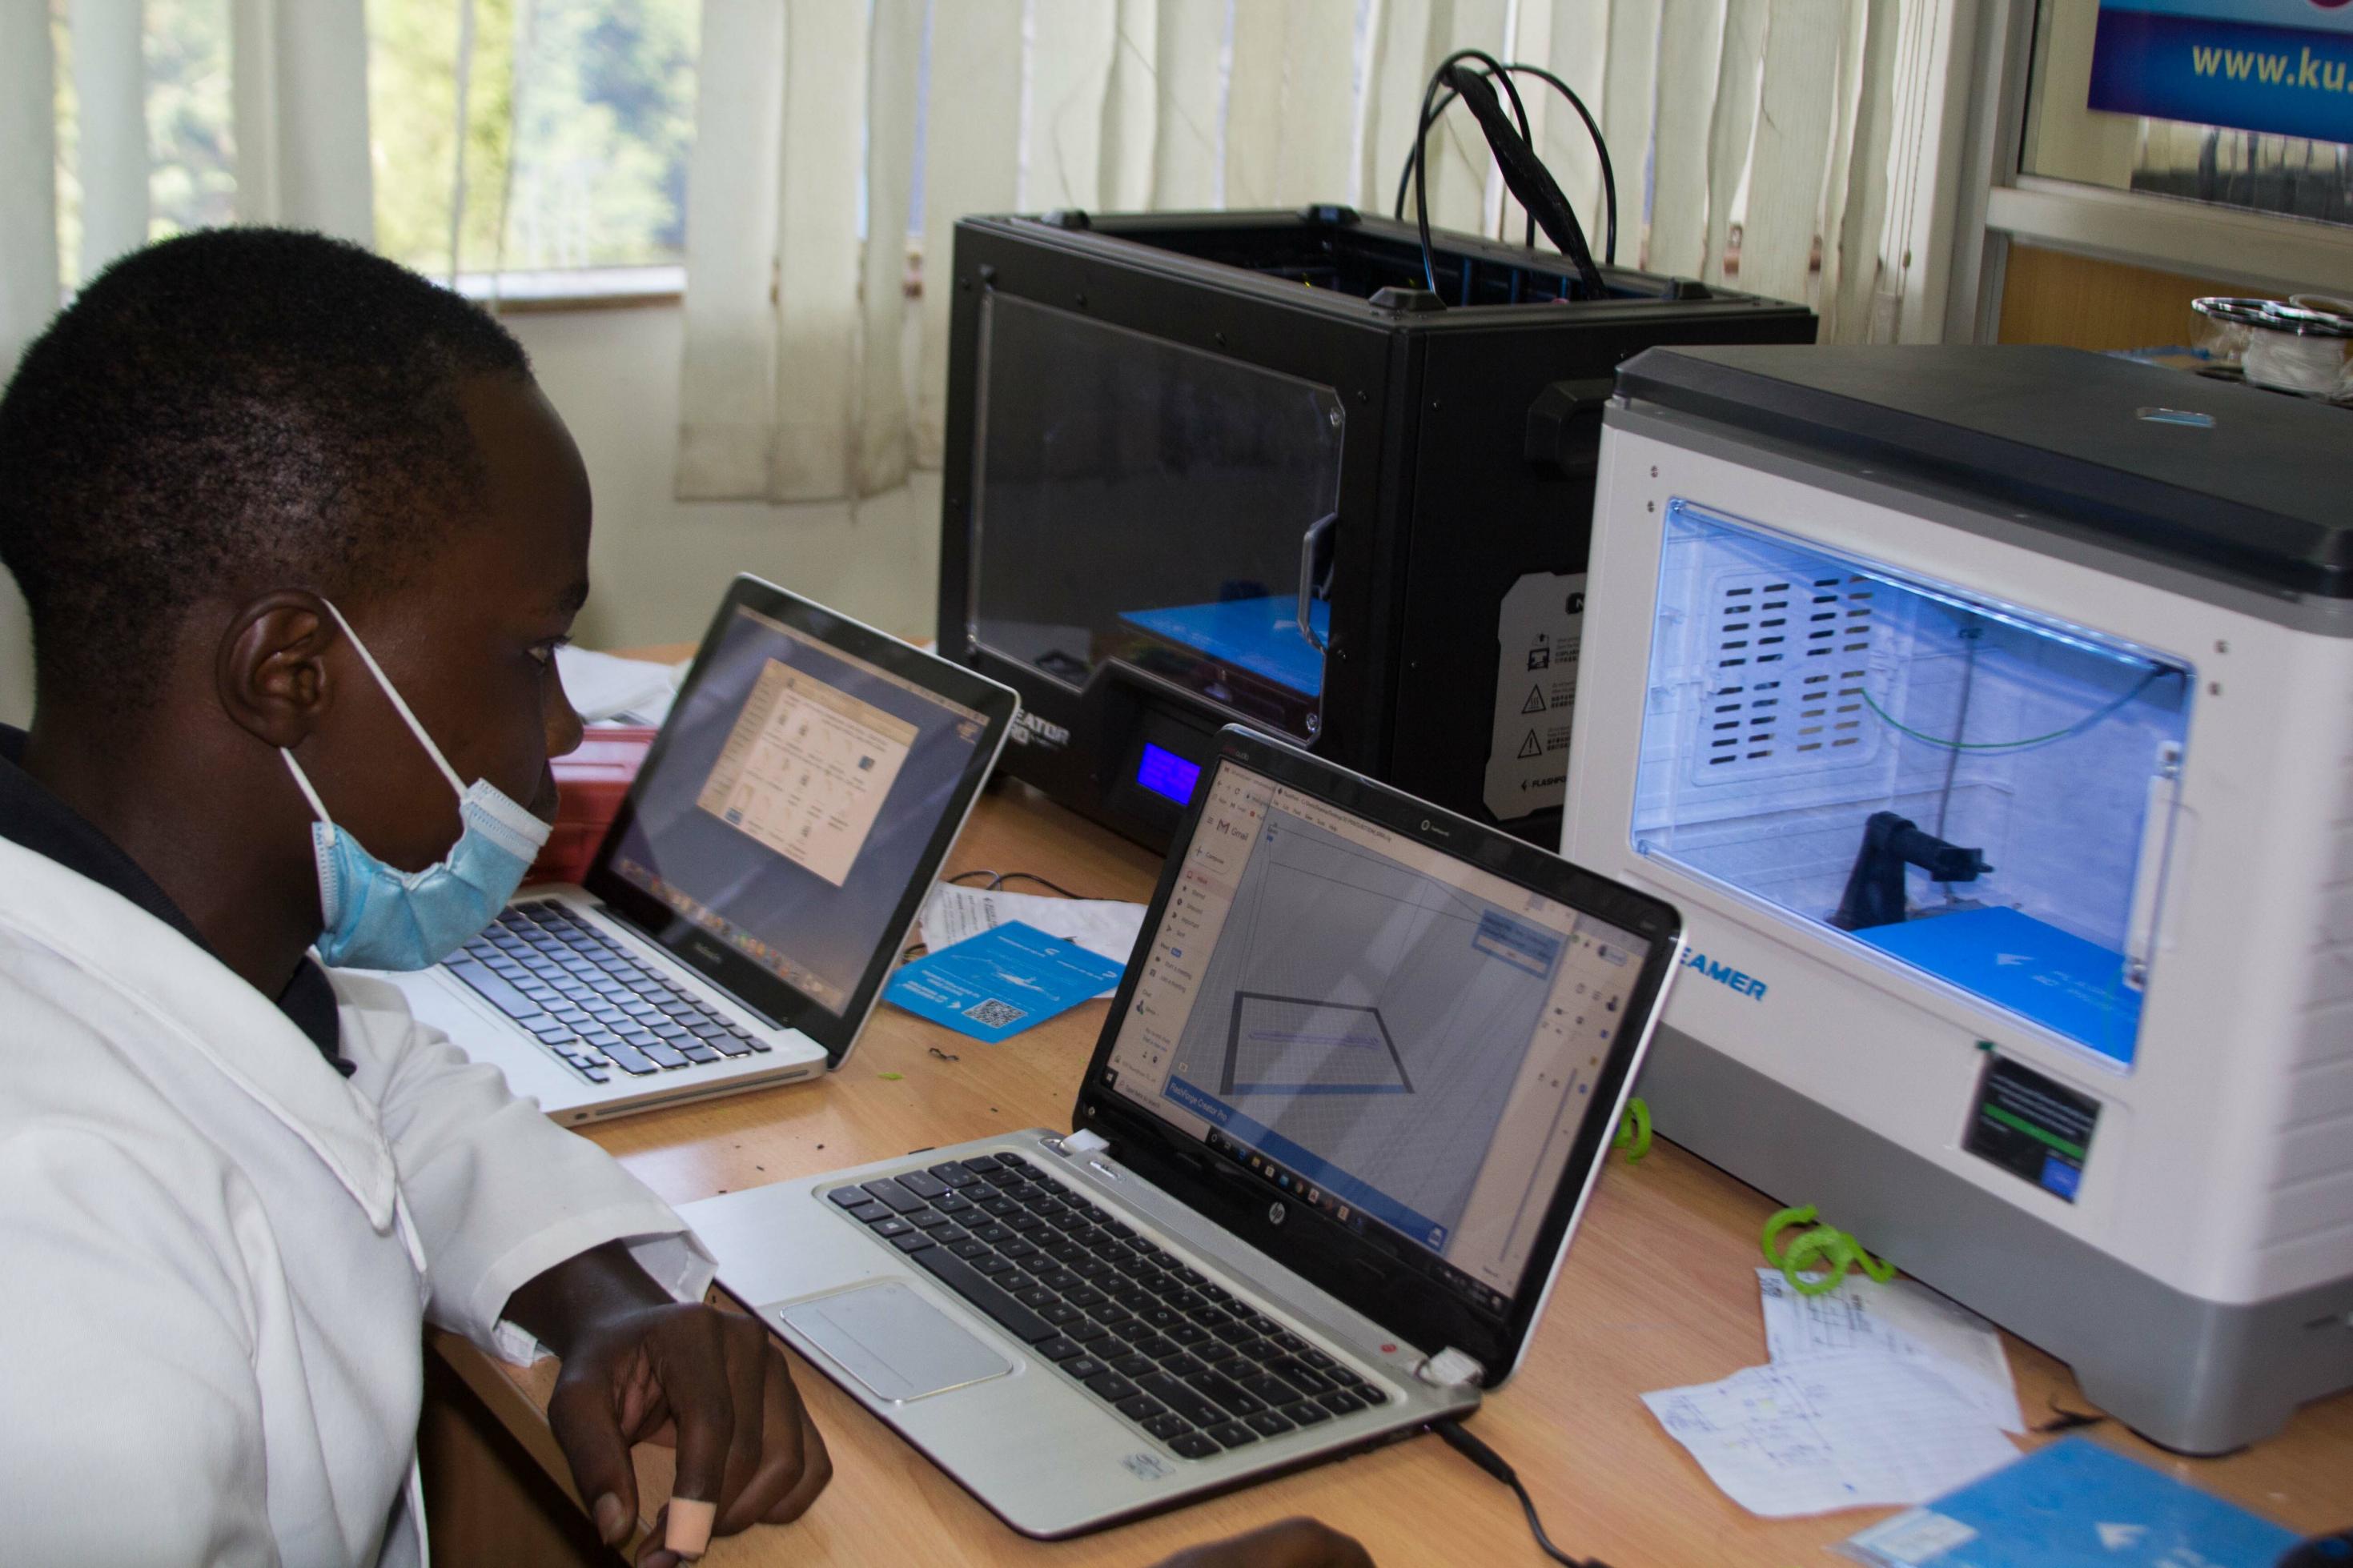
(1976, 794)
(1141, 501)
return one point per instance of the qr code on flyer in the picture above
(993, 1014)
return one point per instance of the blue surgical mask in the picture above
(379, 918)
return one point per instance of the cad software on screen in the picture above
(1388, 1034)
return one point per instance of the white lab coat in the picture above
(216, 1255)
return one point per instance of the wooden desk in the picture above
(1660, 1289)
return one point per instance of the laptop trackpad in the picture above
(896, 1343)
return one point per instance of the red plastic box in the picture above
(595, 780)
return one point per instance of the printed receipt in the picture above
(807, 769)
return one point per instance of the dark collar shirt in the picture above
(33, 817)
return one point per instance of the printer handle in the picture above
(1313, 564)
(1564, 426)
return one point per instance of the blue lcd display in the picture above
(1163, 772)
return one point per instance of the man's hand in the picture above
(641, 1367)
(1291, 1543)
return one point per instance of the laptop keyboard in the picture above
(589, 1001)
(1193, 1364)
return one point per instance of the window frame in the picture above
(544, 290)
(2002, 205)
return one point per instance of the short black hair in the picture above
(230, 409)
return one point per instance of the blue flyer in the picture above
(2075, 1504)
(2254, 65)
(994, 985)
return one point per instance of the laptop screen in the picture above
(797, 791)
(1381, 1031)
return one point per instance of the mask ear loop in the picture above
(302, 781)
(399, 704)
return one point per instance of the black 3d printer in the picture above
(1326, 475)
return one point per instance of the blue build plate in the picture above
(2014, 961)
(1261, 636)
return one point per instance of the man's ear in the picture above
(271, 670)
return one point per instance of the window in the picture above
(2066, 140)
(2237, 210)
(191, 169)
(579, 116)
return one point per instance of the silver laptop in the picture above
(747, 904)
(1344, 1112)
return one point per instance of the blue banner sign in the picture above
(2278, 66)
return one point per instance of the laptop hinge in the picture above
(1081, 1143)
(1452, 1368)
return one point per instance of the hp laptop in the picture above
(1347, 1105)
(744, 909)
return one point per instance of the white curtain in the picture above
(29, 265)
(299, 92)
(1759, 131)
(299, 97)
(299, 87)
(29, 191)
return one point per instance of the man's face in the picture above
(471, 643)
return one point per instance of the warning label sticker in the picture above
(1536, 632)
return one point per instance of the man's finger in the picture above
(817, 1469)
(589, 1430)
(794, 1466)
(692, 1364)
(747, 1378)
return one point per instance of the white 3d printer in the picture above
(1989, 712)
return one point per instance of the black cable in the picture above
(1600, 150)
(1525, 173)
(1459, 1439)
(995, 879)
(1431, 117)
(1421, 136)
(2064, 1419)
(999, 878)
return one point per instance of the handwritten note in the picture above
(1903, 1318)
(1854, 1429)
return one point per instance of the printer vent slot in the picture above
(1765, 717)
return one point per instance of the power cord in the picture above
(1460, 1439)
(1491, 68)
(999, 878)
(1592, 128)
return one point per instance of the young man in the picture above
(266, 497)
(299, 537)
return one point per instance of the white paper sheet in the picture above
(1107, 926)
(1859, 1429)
(1903, 1318)
(606, 685)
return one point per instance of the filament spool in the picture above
(2295, 345)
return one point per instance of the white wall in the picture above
(15, 656)
(658, 564)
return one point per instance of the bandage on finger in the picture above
(688, 1532)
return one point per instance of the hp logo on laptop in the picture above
(1274, 1214)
